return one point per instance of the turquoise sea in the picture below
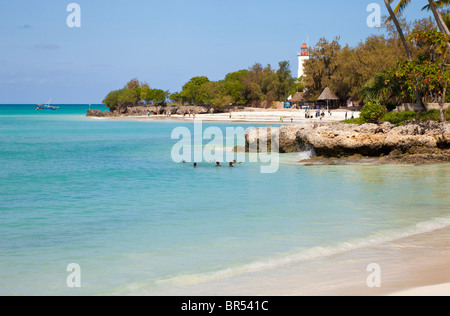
(106, 195)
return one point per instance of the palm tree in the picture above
(393, 17)
(433, 6)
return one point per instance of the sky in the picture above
(164, 43)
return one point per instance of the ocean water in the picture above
(106, 195)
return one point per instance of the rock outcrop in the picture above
(369, 140)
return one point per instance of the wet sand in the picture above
(418, 265)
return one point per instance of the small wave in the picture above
(311, 253)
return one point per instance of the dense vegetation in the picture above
(401, 118)
(135, 93)
(361, 73)
(258, 83)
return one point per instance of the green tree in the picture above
(128, 98)
(176, 97)
(158, 96)
(286, 83)
(234, 86)
(133, 84)
(430, 72)
(112, 99)
(145, 95)
(321, 66)
(191, 90)
(253, 82)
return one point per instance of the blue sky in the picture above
(164, 43)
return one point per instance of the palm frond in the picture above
(400, 7)
(439, 4)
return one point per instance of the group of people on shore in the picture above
(317, 114)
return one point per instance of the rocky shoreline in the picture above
(339, 143)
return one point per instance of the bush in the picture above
(372, 112)
(433, 115)
(399, 118)
(357, 121)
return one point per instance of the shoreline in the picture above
(415, 265)
(420, 267)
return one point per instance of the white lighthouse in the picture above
(303, 56)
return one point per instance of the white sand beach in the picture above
(276, 116)
(253, 115)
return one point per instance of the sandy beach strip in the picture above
(249, 116)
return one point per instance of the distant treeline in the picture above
(258, 83)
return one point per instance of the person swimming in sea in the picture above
(231, 165)
(195, 165)
(218, 164)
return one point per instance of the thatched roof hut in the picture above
(327, 95)
(298, 97)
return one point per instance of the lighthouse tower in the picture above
(302, 57)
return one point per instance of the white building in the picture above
(303, 56)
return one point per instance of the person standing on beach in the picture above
(346, 116)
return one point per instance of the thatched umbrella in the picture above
(327, 95)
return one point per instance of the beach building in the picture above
(303, 56)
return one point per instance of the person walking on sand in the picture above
(346, 116)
